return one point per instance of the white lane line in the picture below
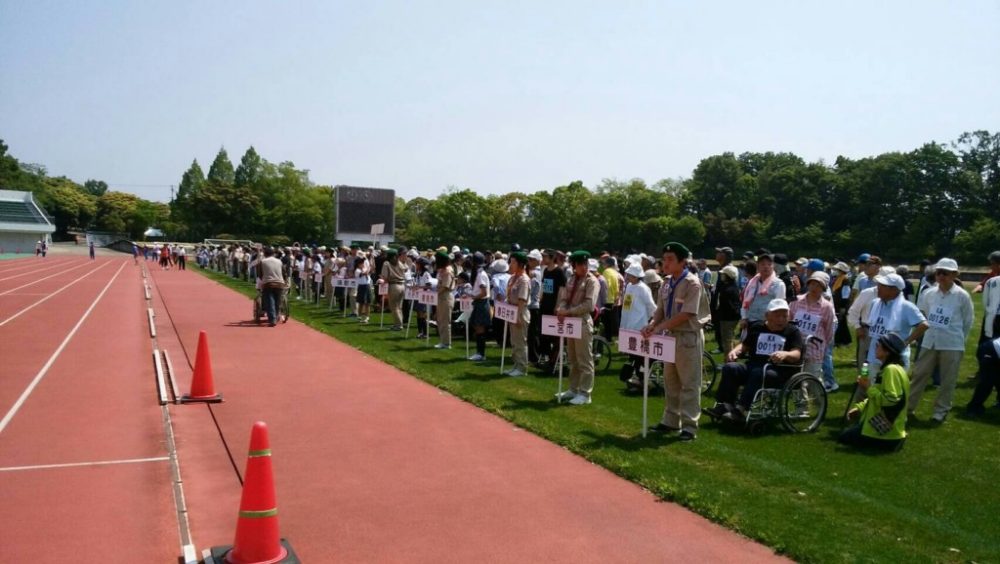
(45, 369)
(81, 265)
(40, 270)
(79, 464)
(41, 301)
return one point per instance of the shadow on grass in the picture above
(633, 443)
(536, 406)
(479, 377)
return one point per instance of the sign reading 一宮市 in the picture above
(571, 327)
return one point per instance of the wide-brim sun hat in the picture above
(946, 264)
(821, 277)
(635, 270)
(535, 254)
(651, 277)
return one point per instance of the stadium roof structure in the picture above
(20, 213)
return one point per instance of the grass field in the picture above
(803, 495)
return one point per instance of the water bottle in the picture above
(864, 374)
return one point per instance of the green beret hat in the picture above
(678, 249)
(442, 255)
(579, 256)
(392, 252)
(520, 256)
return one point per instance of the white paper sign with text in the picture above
(571, 327)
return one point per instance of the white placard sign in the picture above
(571, 327)
(464, 304)
(349, 282)
(505, 311)
(631, 342)
(662, 347)
(411, 293)
(428, 297)
(383, 289)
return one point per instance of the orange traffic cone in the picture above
(202, 384)
(257, 539)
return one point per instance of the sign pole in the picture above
(381, 317)
(427, 324)
(562, 340)
(503, 347)
(645, 394)
(333, 292)
(409, 318)
(347, 294)
(467, 335)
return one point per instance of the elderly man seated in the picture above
(773, 342)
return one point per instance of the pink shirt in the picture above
(814, 319)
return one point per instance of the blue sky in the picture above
(494, 96)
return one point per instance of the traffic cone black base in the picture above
(219, 554)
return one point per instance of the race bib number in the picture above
(383, 289)
(878, 329)
(940, 316)
(807, 322)
(769, 343)
(548, 285)
(845, 292)
(627, 302)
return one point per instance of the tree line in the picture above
(939, 199)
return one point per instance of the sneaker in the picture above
(442, 346)
(686, 436)
(662, 428)
(580, 399)
(396, 328)
(567, 395)
(477, 358)
(517, 372)
(938, 418)
(831, 389)
(737, 414)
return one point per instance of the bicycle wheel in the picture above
(802, 406)
(709, 371)
(656, 375)
(601, 350)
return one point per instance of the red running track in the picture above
(83, 469)
(373, 465)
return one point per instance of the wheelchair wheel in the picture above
(656, 375)
(802, 406)
(709, 371)
(601, 350)
(283, 308)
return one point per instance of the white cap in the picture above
(592, 265)
(842, 266)
(455, 249)
(886, 271)
(535, 254)
(821, 277)
(635, 269)
(894, 280)
(777, 304)
(730, 271)
(499, 266)
(946, 264)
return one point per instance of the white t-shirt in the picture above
(637, 306)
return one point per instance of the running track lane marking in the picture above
(39, 302)
(41, 279)
(41, 373)
(79, 464)
(32, 272)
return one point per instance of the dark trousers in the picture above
(989, 376)
(852, 436)
(534, 334)
(751, 377)
(611, 317)
(271, 297)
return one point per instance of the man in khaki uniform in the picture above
(577, 299)
(681, 313)
(445, 298)
(394, 274)
(517, 294)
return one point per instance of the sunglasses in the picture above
(943, 273)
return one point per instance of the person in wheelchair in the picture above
(769, 343)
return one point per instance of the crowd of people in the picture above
(168, 255)
(771, 317)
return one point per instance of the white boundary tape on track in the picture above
(39, 302)
(45, 369)
(152, 325)
(83, 464)
(170, 374)
(82, 264)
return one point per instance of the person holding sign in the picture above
(445, 299)
(638, 308)
(988, 354)
(423, 280)
(949, 312)
(578, 299)
(882, 415)
(773, 341)
(394, 274)
(682, 312)
(517, 294)
(813, 314)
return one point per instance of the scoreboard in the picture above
(359, 208)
